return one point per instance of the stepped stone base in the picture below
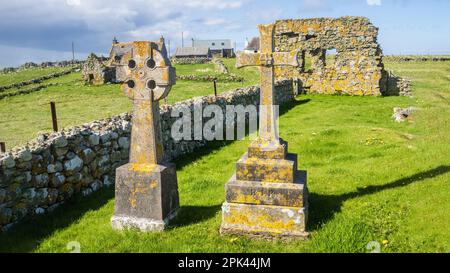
(265, 209)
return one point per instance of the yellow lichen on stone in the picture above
(143, 168)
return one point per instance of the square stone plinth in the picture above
(267, 170)
(146, 196)
(264, 150)
(266, 193)
(264, 221)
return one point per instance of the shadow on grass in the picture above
(323, 207)
(194, 214)
(28, 234)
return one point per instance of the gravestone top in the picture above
(149, 78)
(266, 60)
(148, 71)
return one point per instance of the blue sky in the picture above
(40, 30)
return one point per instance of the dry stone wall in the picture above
(40, 176)
(41, 65)
(190, 60)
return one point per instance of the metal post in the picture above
(2, 147)
(215, 88)
(54, 119)
(182, 39)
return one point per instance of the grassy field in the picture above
(23, 116)
(370, 179)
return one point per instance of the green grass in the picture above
(23, 116)
(28, 74)
(369, 179)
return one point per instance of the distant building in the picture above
(193, 52)
(253, 45)
(219, 47)
(95, 71)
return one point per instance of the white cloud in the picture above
(73, 2)
(214, 21)
(374, 2)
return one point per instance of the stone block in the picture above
(264, 193)
(263, 220)
(146, 196)
(265, 150)
(267, 170)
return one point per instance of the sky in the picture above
(43, 30)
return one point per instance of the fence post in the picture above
(2, 147)
(215, 88)
(54, 119)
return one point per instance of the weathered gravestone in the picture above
(146, 187)
(267, 196)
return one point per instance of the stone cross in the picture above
(266, 60)
(146, 188)
(149, 79)
(267, 196)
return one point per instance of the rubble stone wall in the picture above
(49, 170)
(96, 72)
(357, 66)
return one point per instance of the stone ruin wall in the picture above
(357, 68)
(51, 169)
(96, 72)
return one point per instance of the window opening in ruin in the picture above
(307, 62)
(330, 57)
(310, 36)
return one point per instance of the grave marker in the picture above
(267, 196)
(146, 187)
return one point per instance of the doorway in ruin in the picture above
(91, 77)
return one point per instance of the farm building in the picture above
(193, 52)
(219, 47)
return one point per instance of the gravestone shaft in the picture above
(146, 147)
(266, 60)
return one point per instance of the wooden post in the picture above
(215, 88)
(2, 147)
(54, 119)
(73, 54)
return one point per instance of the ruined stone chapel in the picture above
(337, 55)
